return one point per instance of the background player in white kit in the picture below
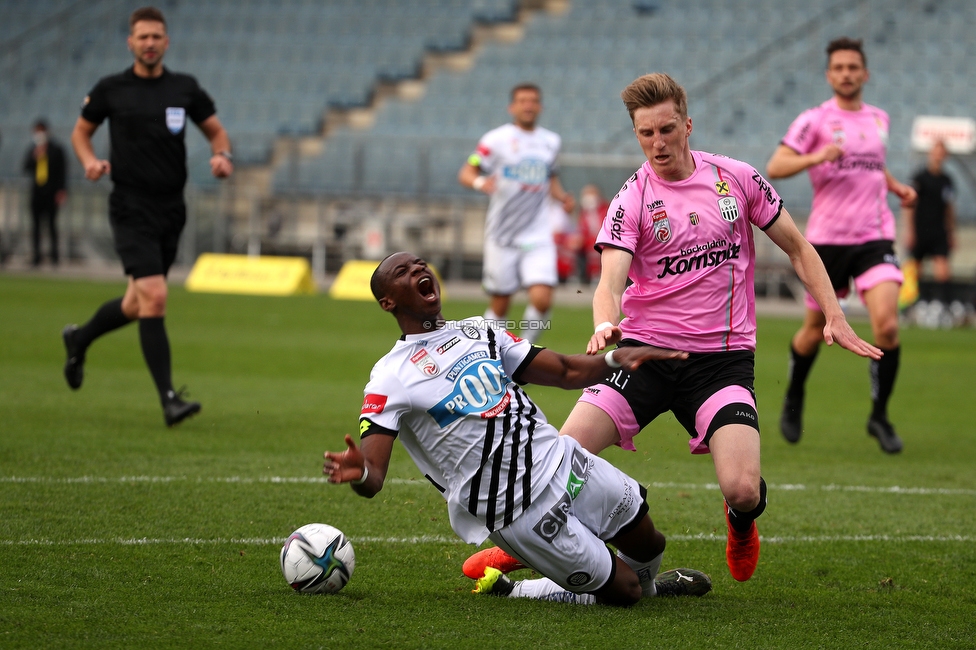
(447, 391)
(843, 144)
(680, 231)
(516, 165)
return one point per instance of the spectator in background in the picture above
(46, 165)
(567, 238)
(593, 210)
(930, 224)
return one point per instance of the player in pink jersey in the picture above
(842, 144)
(680, 231)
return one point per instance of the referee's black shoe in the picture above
(885, 433)
(74, 367)
(175, 409)
(791, 421)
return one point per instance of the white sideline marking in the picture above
(786, 487)
(440, 539)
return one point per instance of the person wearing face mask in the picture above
(45, 164)
(593, 209)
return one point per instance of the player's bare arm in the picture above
(470, 176)
(810, 269)
(370, 461)
(557, 192)
(905, 193)
(615, 265)
(220, 162)
(786, 162)
(81, 142)
(576, 371)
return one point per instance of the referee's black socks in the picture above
(883, 373)
(108, 317)
(155, 349)
(742, 521)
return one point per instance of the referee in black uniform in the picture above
(147, 107)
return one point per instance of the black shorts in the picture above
(725, 380)
(146, 230)
(846, 262)
(932, 246)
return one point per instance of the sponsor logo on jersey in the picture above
(424, 362)
(373, 403)
(764, 188)
(651, 207)
(441, 349)
(463, 363)
(890, 259)
(680, 264)
(553, 521)
(860, 162)
(693, 218)
(626, 503)
(617, 223)
(175, 119)
(591, 390)
(837, 134)
(578, 473)
(722, 187)
(480, 389)
(528, 172)
(661, 226)
(729, 208)
(802, 135)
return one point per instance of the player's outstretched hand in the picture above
(602, 338)
(344, 466)
(631, 357)
(838, 330)
(906, 193)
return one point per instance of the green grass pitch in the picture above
(116, 532)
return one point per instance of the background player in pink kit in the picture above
(842, 144)
(680, 230)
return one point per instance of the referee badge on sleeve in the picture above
(175, 119)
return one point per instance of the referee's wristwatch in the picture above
(226, 154)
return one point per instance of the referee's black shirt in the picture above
(147, 127)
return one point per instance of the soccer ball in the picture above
(317, 559)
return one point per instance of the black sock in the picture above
(883, 373)
(799, 369)
(108, 317)
(742, 521)
(155, 349)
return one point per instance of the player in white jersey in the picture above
(449, 391)
(516, 165)
(843, 144)
(677, 258)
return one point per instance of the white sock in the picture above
(646, 572)
(539, 319)
(546, 589)
(494, 320)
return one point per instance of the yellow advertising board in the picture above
(262, 276)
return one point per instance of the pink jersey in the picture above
(850, 195)
(692, 272)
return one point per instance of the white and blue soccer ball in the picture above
(317, 559)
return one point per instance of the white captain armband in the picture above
(362, 479)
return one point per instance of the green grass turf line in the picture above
(281, 380)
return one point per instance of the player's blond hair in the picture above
(651, 90)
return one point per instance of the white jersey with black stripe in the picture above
(473, 432)
(522, 162)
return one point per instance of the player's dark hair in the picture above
(651, 90)
(146, 13)
(845, 43)
(525, 86)
(376, 283)
(40, 124)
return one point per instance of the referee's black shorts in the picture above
(146, 230)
